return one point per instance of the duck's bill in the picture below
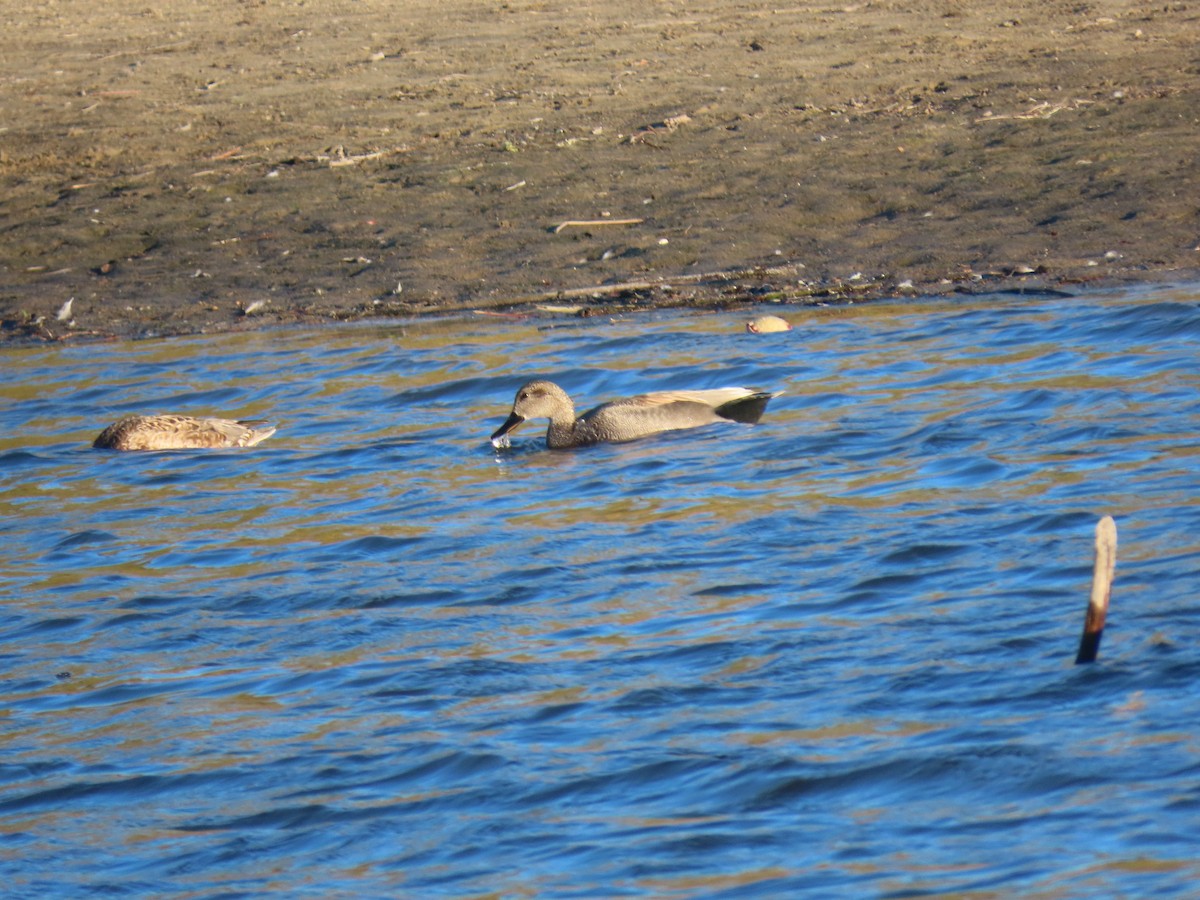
(500, 438)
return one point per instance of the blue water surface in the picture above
(827, 655)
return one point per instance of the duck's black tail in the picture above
(748, 409)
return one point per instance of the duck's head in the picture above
(536, 399)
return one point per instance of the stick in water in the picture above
(1102, 579)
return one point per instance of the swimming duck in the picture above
(180, 433)
(629, 418)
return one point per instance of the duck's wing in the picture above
(712, 398)
(689, 408)
(634, 417)
(243, 433)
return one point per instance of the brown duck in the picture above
(180, 433)
(629, 418)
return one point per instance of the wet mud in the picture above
(194, 167)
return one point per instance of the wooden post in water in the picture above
(1102, 579)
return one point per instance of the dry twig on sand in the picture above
(588, 223)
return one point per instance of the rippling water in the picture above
(827, 655)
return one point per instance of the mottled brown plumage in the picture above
(629, 418)
(180, 433)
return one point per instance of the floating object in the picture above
(767, 325)
(180, 433)
(629, 418)
(1102, 579)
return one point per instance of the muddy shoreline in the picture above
(182, 169)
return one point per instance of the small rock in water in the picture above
(767, 324)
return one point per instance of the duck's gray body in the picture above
(630, 418)
(172, 432)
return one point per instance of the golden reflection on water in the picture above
(376, 594)
(662, 886)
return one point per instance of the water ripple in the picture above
(828, 654)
